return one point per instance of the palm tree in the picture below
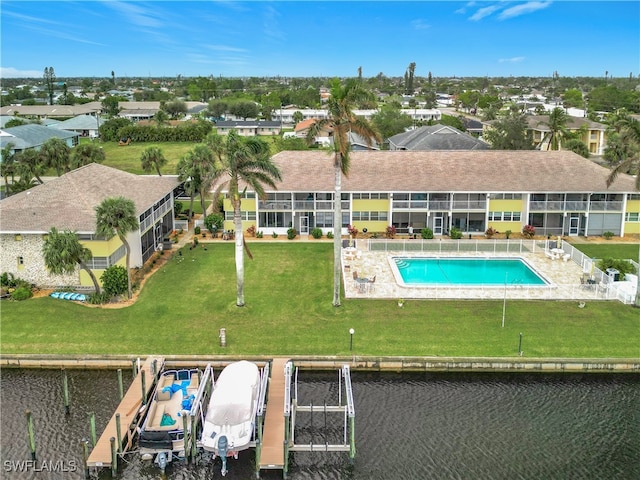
(557, 124)
(63, 253)
(196, 169)
(7, 165)
(241, 161)
(342, 121)
(152, 158)
(28, 164)
(55, 154)
(117, 216)
(85, 154)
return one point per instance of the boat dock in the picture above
(272, 455)
(123, 423)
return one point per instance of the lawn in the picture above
(127, 158)
(288, 293)
(610, 249)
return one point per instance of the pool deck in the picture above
(563, 275)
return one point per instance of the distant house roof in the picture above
(67, 202)
(435, 137)
(247, 123)
(359, 143)
(450, 171)
(32, 135)
(81, 122)
(539, 122)
(47, 110)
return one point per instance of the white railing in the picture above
(457, 246)
(181, 224)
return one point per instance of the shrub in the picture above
(251, 231)
(622, 266)
(7, 280)
(455, 233)
(23, 292)
(114, 280)
(608, 235)
(177, 208)
(490, 232)
(329, 235)
(259, 234)
(197, 230)
(426, 233)
(213, 222)
(507, 234)
(99, 298)
(390, 231)
(316, 233)
(375, 235)
(528, 231)
(274, 235)
(195, 241)
(291, 233)
(353, 232)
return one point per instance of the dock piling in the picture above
(119, 432)
(31, 434)
(120, 384)
(65, 391)
(92, 423)
(114, 457)
(143, 380)
(85, 457)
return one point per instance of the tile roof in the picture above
(449, 171)
(67, 202)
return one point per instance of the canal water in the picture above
(410, 426)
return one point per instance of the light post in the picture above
(520, 345)
(351, 332)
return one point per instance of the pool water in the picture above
(467, 271)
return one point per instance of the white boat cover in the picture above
(234, 394)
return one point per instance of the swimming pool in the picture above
(468, 271)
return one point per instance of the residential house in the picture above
(249, 128)
(84, 125)
(68, 202)
(435, 137)
(558, 192)
(34, 136)
(49, 111)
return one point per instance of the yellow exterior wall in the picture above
(633, 206)
(502, 227)
(371, 226)
(631, 228)
(102, 248)
(367, 205)
(506, 205)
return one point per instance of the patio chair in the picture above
(372, 284)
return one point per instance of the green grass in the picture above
(128, 158)
(610, 249)
(288, 292)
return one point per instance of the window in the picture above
(20, 262)
(228, 215)
(507, 196)
(633, 196)
(369, 216)
(632, 217)
(18, 237)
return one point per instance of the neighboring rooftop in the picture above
(435, 137)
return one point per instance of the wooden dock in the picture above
(128, 411)
(272, 452)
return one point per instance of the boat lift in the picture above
(345, 407)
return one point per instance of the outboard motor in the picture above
(161, 460)
(222, 452)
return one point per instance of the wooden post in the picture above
(114, 457)
(85, 456)
(31, 434)
(144, 387)
(185, 424)
(92, 422)
(154, 368)
(65, 391)
(352, 438)
(120, 384)
(119, 432)
(134, 366)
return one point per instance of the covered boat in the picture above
(229, 425)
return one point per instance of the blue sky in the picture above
(328, 38)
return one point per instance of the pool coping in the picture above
(400, 364)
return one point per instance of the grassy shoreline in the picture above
(288, 293)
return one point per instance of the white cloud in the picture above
(523, 9)
(420, 24)
(10, 72)
(511, 60)
(137, 15)
(484, 12)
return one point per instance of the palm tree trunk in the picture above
(337, 234)
(92, 276)
(128, 262)
(237, 222)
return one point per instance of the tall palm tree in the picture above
(241, 163)
(196, 169)
(151, 159)
(7, 165)
(86, 153)
(55, 154)
(557, 124)
(117, 216)
(342, 121)
(28, 164)
(63, 253)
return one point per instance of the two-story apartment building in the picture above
(559, 193)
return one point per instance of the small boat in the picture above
(229, 425)
(178, 394)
